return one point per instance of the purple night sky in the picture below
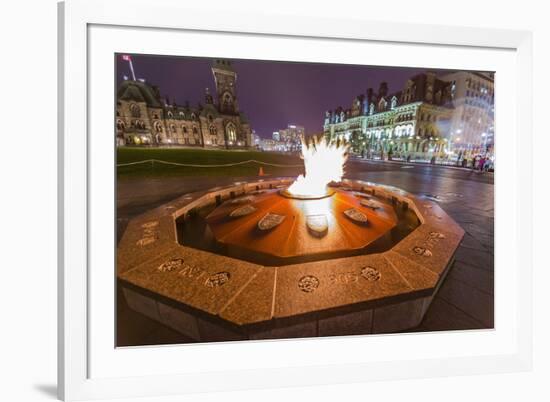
(271, 94)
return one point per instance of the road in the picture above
(136, 195)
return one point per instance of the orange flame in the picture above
(324, 163)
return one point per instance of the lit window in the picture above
(134, 110)
(231, 132)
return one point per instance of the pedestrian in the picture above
(481, 163)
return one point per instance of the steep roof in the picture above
(209, 108)
(138, 91)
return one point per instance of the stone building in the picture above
(472, 125)
(142, 118)
(415, 121)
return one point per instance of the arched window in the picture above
(213, 130)
(195, 130)
(158, 127)
(193, 116)
(210, 119)
(227, 100)
(181, 115)
(184, 129)
(120, 125)
(134, 110)
(173, 128)
(231, 132)
(170, 115)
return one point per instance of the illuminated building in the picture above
(413, 122)
(472, 126)
(291, 137)
(271, 145)
(142, 118)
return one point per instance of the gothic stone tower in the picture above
(225, 78)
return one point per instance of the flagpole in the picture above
(128, 58)
(132, 69)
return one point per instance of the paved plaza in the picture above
(465, 299)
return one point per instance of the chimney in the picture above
(369, 95)
(383, 90)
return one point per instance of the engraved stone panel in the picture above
(356, 215)
(370, 273)
(308, 283)
(269, 221)
(241, 200)
(170, 265)
(430, 246)
(370, 204)
(197, 281)
(242, 211)
(317, 225)
(217, 279)
(314, 286)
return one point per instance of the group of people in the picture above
(482, 163)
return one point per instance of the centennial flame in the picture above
(323, 162)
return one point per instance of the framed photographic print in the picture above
(242, 199)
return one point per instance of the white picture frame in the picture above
(76, 18)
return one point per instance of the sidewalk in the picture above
(416, 163)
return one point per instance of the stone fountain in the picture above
(257, 261)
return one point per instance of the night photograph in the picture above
(273, 199)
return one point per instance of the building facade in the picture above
(414, 122)
(271, 145)
(472, 125)
(142, 118)
(291, 137)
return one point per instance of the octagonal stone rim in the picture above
(430, 215)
